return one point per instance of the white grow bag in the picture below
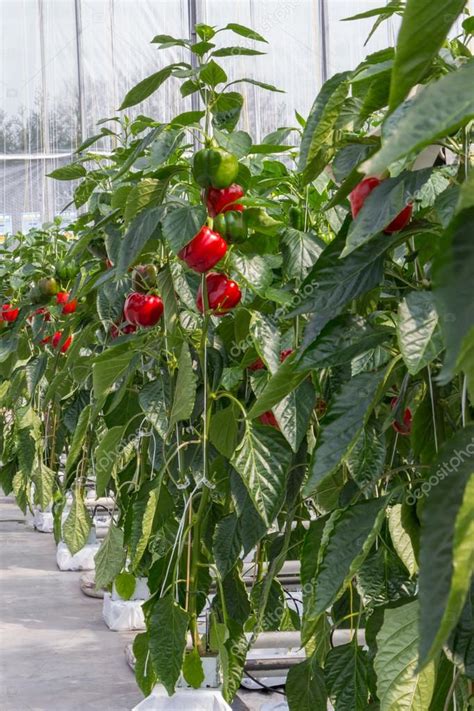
(121, 615)
(207, 698)
(82, 560)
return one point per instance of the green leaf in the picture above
(205, 32)
(106, 372)
(447, 542)
(261, 84)
(320, 123)
(144, 672)
(43, 479)
(341, 340)
(74, 171)
(347, 415)
(235, 51)
(425, 26)
(110, 557)
(301, 251)
(347, 677)
(106, 456)
(164, 146)
(401, 539)
(148, 86)
(399, 687)
(366, 459)
(212, 74)
(223, 431)
(146, 527)
(459, 643)
(262, 460)
(305, 686)
(293, 414)
(182, 224)
(333, 282)
(76, 447)
(279, 386)
(185, 391)
(192, 669)
(148, 192)
(226, 110)
(383, 205)
(125, 584)
(167, 627)
(347, 539)
(266, 339)
(188, 118)
(140, 230)
(452, 268)
(253, 271)
(226, 544)
(153, 402)
(418, 333)
(237, 142)
(77, 525)
(244, 31)
(437, 111)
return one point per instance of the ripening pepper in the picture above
(224, 200)
(232, 226)
(215, 167)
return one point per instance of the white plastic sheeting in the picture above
(65, 65)
(197, 700)
(82, 560)
(123, 615)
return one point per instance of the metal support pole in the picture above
(80, 74)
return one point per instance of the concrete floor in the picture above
(56, 654)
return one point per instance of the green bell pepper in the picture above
(231, 225)
(215, 167)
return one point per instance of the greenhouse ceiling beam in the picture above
(80, 72)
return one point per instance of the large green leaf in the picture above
(262, 460)
(167, 627)
(366, 459)
(278, 387)
(333, 282)
(341, 340)
(140, 230)
(77, 525)
(267, 340)
(153, 401)
(182, 224)
(305, 687)
(223, 431)
(146, 527)
(399, 687)
(148, 86)
(301, 251)
(110, 557)
(43, 479)
(185, 390)
(447, 542)
(320, 123)
(73, 171)
(347, 415)
(418, 334)
(383, 205)
(144, 672)
(106, 455)
(77, 443)
(425, 26)
(460, 642)
(226, 544)
(346, 671)
(347, 539)
(437, 111)
(452, 271)
(293, 413)
(147, 193)
(399, 527)
(106, 371)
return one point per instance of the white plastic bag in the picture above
(195, 699)
(122, 615)
(82, 560)
(43, 521)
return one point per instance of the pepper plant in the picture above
(271, 361)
